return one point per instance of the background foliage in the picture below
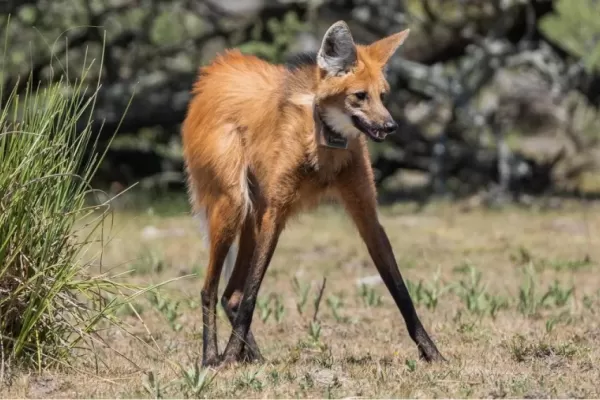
(493, 96)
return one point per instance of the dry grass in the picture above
(500, 337)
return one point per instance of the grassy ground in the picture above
(510, 297)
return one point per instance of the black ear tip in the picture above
(338, 28)
(340, 24)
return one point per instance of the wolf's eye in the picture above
(383, 96)
(361, 95)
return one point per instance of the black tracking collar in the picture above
(327, 136)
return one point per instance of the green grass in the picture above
(51, 304)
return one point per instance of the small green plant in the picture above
(522, 350)
(151, 385)
(495, 304)
(475, 296)
(324, 359)
(274, 376)
(530, 302)
(249, 379)
(522, 256)
(314, 331)
(550, 323)
(557, 295)
(169, 309)
(528, 299)
(589, 302)
(416, 291)
(411, 365)
(193, 304)
(570, 265)
(270, 305)
(430, 294)
(518, 348)
(369, 296)
(195, 380)
(335, 303)
(434, 291)
(563, 317)
(149, 261)
(472, 291)
(301, 289)
(279, 310)
(264, 309)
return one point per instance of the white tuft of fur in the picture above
(231, 254)
(245, 191)
(340, 121)
(303, 99)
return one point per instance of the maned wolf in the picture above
(263, 142)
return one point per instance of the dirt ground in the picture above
(510, 297)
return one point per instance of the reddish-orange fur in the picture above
(253, 160)
(234, 121)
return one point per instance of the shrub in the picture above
(49, 301)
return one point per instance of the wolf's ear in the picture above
(383, 49)
(337, 54)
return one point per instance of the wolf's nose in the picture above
(390, 127)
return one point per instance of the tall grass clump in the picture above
(50, 303)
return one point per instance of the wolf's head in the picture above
(352, 86)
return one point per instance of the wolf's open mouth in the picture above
(377, 135)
